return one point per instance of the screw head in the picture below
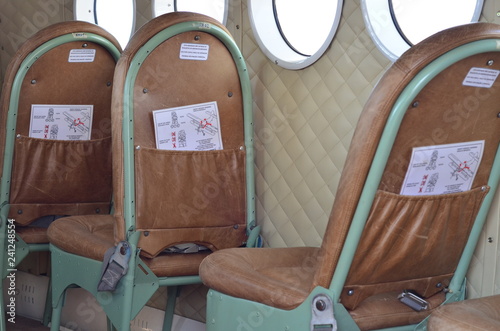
(320, 305)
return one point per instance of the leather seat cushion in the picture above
(474, 314)
(88, 236)
(175, 264)
(92, 236)
(279, 277)
(33, 235)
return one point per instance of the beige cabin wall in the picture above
(304, 121)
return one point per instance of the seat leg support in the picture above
(172, 294)
(122, 305)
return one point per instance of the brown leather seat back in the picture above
(197, 195)
(414, 241)
(54, 175)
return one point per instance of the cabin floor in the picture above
(26, 324)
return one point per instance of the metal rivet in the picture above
(276, 62)
(19, 211)
(85, 45)
(490, 62)
(138, 147)
(242, 148)
(33, 81)
(145, 90)
(108, 84)
(196, 37)
(438, 285)
(483, 188)
(146, 233)
(350, 292)
(18, 136)
(320, 305)
(498, 115)
(415, 104)
(98, 210)
(230, 94)
(490, 240)
(236, 226)
(498, 13)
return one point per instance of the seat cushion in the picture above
(474, 314)
(91, 236)
(279, 277)
(175, 264)
(88, 236)
(33, 235)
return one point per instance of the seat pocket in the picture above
(411, 242)
(61, 171)
(190, 196)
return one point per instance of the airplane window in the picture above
(292, 35)
(396, 25)
(215, 8)
(116, 16)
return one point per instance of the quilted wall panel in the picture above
(304, 121)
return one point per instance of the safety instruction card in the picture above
(443, 169)
(188, 128)
(61, 122)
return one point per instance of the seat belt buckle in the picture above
(114, 267)
(413, 300)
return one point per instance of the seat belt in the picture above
(114, 267)
(186, 248)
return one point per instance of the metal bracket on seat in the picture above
(115, 266)
(322, 317)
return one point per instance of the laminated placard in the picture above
(188, 128)
(441, 169)
(61, 122)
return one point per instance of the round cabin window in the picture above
(396, 25)
(294, 34)
(216, 8)
(116, 16)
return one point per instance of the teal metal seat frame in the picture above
(14, 248)
(139, 284)
(225, 312)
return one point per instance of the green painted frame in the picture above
(219, 305)
(23, 249)
(140, 283)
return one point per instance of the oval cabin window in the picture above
(396, 25)
(294, 34)
(116, 16)
(216, 8)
